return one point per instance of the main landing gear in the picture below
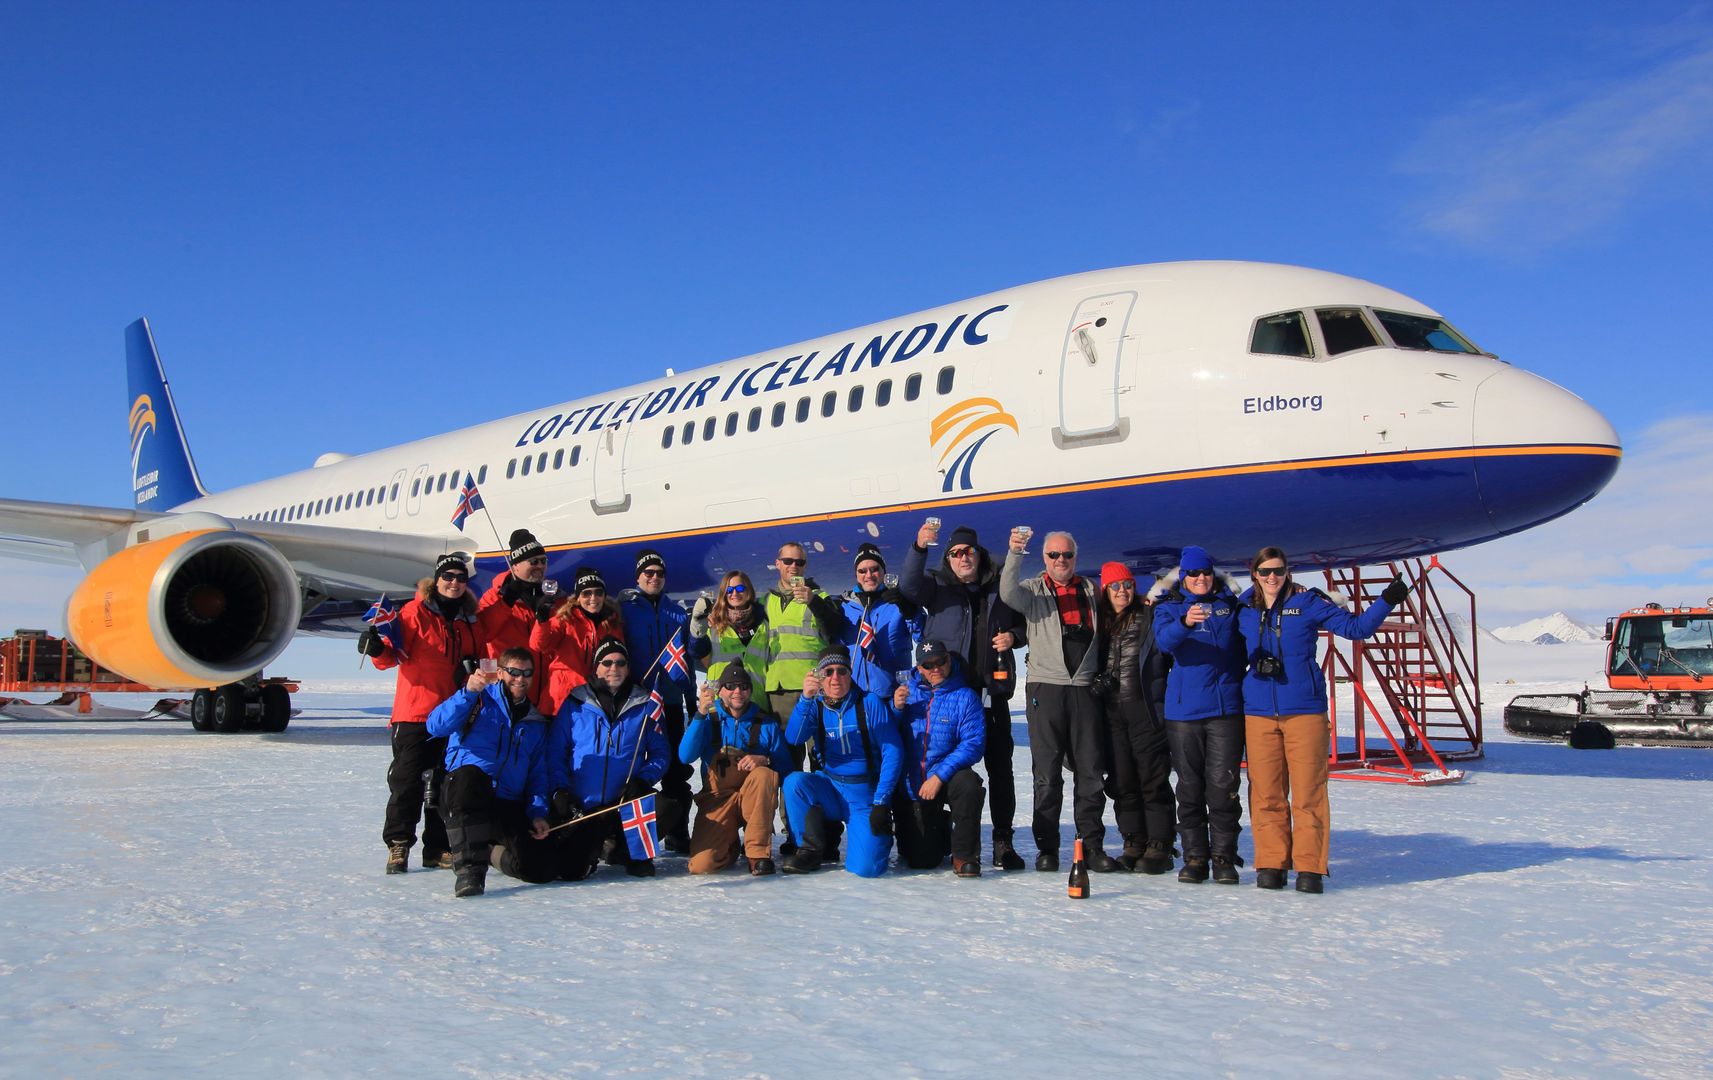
(256, 704)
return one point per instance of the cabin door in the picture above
(1089, 368)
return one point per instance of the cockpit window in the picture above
(1281, 335)
(1345, 329)
(1423, 332)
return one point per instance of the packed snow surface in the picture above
(209, 905)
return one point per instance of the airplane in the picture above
(1227, 404)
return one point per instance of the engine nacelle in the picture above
(196, 609)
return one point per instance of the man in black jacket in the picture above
(960, 599)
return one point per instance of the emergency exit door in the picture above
(1089, 368)
(611, 494)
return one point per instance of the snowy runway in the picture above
(202, 904)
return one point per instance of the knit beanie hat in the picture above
(608, 647)
(524, 547)
(1114, 572)
(1194, 558)
(867, 552)
(588, 578)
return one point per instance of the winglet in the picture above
(162, 473)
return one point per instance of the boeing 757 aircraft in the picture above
(1226, 404)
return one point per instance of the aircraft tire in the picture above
(276, 707)
(202, 710)
(229, 709)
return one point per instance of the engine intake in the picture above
(196, 609)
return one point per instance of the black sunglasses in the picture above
(1198, 573)
(793, 562)
(1270, 571)
(451, 576)
(1056, 555)
(520, 672)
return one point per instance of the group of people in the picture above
(523, 720)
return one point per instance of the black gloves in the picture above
(544, 608)
(564, 805)
(1396, 591)
(636, 789)
(880, 821)
(512, 590)
(1105, 684)
(370, 643)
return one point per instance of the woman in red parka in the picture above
(438, 633)
(565, 636)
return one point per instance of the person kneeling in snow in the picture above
(743, 755)
(945, 733)
(603, 748)
(853, 741)
(494, 798)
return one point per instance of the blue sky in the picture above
(355, 225)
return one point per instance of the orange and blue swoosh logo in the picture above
(142, 423)
(978, 419)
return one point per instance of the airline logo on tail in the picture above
(142, 423)
(957, 426)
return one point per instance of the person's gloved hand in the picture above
(544, 609)
(880, 821)
(636, 789)
(1396, 591)
(513, 589)
(699, 617)
(1105, 684)
(371, 643)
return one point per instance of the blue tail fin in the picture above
(162, 474)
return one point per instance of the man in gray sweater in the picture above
(1065, 726)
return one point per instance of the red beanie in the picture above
(1115, 571)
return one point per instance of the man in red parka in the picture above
(439, 634)
(506, 614)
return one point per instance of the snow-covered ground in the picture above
(208, 905)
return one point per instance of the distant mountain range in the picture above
(1555, 629)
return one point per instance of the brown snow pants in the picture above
(733, 800)
(1288, 808)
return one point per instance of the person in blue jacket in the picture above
(651, 621)
(876, 626)
(853, 743)
(944, 730)
(603, 748)
(494, 797)
(1195, 622)
(1284, 701)
(743, 755)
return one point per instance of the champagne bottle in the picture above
(1078, 889)
(999, 679)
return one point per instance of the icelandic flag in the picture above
(656, 709)
(672, 659)
(383, 619)
(641, 833)
(865, 634)
(469, 501)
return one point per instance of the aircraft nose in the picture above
(1546, 451)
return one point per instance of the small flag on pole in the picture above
(656, 709)
(383, 619)
(865, 634)
(641, 833)
(672, 659)
(469, 501)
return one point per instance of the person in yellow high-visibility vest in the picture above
(801, 621)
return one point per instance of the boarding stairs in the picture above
(1415, 685)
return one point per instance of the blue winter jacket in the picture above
(875, 669)
(843, 757)
(754, 732)
(1206, 679)
(1291, 632)
(943, 728)
(514, 755)
(649, 623)
(593, 755)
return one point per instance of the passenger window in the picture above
(883, 394)
(1345, 329)
(913, 387)
(1281, 335)
(576, 455)
(541, 462)
(527, 462)
(442, 485)
(731, 424)
(754, 419)
(482, 477)
(944, 384)
(559, 458)
(802, 409)
(779, 414)
(853, 402)
(689, 435)
(829, 402)
(708, 428)
(454, 479)
(395, 491)
(511, 468)
(666, 437)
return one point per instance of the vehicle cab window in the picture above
(1423, 332)
(1285, 334)
(1345, 330)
